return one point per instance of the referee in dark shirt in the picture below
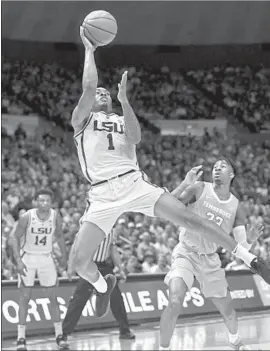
(106, 253)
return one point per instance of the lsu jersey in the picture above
(39, 234)
(210, 207)
(103, 149)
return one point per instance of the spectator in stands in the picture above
(6, 216)
(161, 266)
(133, 265)
(145, 246)
(148, 261)
(160, 247)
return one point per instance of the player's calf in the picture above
(177, 292)
(25, 293)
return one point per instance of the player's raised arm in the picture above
(132, 125)
(61, 240)
(245, 238)
(16, 238)
(190, 187)
(89, 85)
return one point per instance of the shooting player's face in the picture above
(103, 100)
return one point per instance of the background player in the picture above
(195, 256)
(106, 145)
(32, 247)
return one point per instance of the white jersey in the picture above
(39, 234)
(103, 149)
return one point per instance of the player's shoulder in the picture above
(198, 188)
(235, 198)
(115, 115)
(29, 213)
(26, 217)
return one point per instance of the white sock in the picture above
(233, 338)
(100, 284)
(244, 254)
(164, 348)
(21, 331)
(58, 328)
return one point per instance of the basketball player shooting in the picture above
(195, 256)
(32, 244)
(106, 145)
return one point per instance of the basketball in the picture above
(100, 27)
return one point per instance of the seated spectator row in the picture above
(52, 91)
(244, 92)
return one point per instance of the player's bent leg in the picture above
(168, 207)
(88, 240)
(225, 307)
(177, 293)
(25, 295)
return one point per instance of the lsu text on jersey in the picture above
(109, 163)
(36, 250)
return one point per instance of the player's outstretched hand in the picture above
(193, 175)
(86, 42)
(122, 88)
(21, 268)
(254, 232)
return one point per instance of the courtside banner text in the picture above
(145, 296)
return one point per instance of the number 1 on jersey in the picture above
(110, 138)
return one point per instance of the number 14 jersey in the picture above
(103, 149)
(210, 207)
(39, 234)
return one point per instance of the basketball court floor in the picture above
(190, 334)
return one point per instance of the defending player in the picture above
(32, 247)
(195, 256)
(106, 145)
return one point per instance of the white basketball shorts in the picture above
(42, 266)
(129, 193)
